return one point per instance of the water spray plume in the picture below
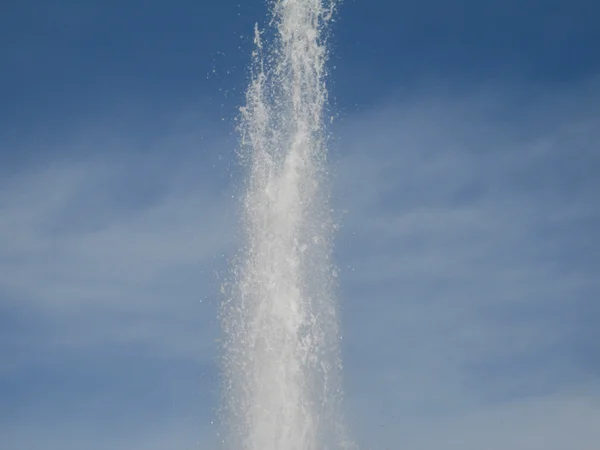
(282, 363)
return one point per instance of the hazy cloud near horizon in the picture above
(468, 258)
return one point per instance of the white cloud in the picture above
(468, 271)
(72, 257)
(554, 422)
(182, 433)
(467, 277)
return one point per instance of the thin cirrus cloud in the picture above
(108, 299)
(72, 250)
(468, 256)
(467, 285)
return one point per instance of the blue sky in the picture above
(466, 160)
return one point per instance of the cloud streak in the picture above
(468, 270)
(467, 281)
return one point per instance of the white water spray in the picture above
(281, 364)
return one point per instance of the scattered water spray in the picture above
(281, 364)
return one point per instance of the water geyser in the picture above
(281, 356)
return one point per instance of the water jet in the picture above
(282, 387)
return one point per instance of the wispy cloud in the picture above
(108, 300)
(468, 289)
(468, 260)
